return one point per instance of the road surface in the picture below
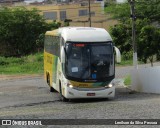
(29, 98)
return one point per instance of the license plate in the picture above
(91, 94)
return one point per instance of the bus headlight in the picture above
(69, 85)
(109, 85)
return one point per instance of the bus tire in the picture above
(52, 89)
(62, 98)
(48, 82)
(48, 79)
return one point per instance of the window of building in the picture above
(83, 12)
(50, 15)
(84, 4)
(63, 15)
(92, 13)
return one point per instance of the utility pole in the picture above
(132, 6)
(89, 8)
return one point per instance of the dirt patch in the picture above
(9, 77)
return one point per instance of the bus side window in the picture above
(55, 46)
(48, 44)
(62, 41)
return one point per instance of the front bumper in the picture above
(74, 93)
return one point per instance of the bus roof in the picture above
(85, 34)
(82, 34)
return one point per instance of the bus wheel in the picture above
(48, 82)
(62, 98)
(52, 89)
(48, 79)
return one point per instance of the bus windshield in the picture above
(89, 61)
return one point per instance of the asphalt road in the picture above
(29, 98)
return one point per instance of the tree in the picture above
(121, 35)
(148, 43)
(120, 12)
(40, 40)
(54, 25)
(149, 9)
(19, 30)
(146, 14)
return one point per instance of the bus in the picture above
(79, 62)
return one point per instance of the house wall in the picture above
(72, 11)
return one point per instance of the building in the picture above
(10, 1)
(77, 13)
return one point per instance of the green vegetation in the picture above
(127, 81)
(32, 64)
(22, 31)
(147, 30)
(128, 62)
(21, 34)
(125, 63)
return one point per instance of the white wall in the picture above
(146, 80)
(121, 1)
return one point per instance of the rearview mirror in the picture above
(118, 55)
(62, 55)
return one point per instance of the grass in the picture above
(127, 80)
(32, 64)
(125, 63)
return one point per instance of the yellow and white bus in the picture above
(79, 62)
